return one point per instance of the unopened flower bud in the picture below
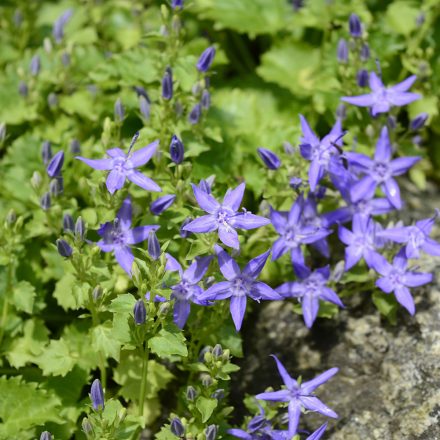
(206, 59)
(23, 89)
(167, 84)
(139, 312)
(218, 394)
(341, 111)
(60, 23)
(418, 122)
(194, 115)
(140, 91)
(153, 245)
(86, 426)
(269, 158)
(289, 148)
(355, 26)
(65, 59)
(80, 228)
(206, 380)
(97, 395)
(182, 232)
(342, 52)
(164, 308)
(206, 99)
(45, 201)
(55, 164)
(119, 110)
(68, 223)
(46, 435)
(97, 293)
(217, 351)
(2, 132)
(177, 427)
(176, 150)
(211, 432)
(35, 65)
(365, 52)
(64, 249)
(177, 4)
(362, 77)
(56, 186)
(47, 45)
(52, 100)
(144, 107)
(191, 393)
(46, 152)
(75, 146)
(36, 180)
(161, 204)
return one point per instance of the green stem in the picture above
(143, 390)
(6, 302)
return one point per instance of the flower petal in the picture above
(318, 433)
(375, 82)
(279, 248)
(173, 265)
(392, 191)
(383, 146)
(218, 291)
(143, 155)
(405, 84)
(229, 237)
(260, 290)
(238, 308)
(363, 189)
(416, 279)
(124, 257)
(181, 311)
(233, 197)
(309, 386)
(228, 266)
(255, 266)
(247, 220)
(330, 295)
(310, 308)
(143, 181)
(403, 296)
(140, 233)
(294, 412)
(276, 396)
(287, 379)
(197, 269)
(402, 164)
(360, 100)
(314, 404)
(206, 201)
(97, 164)
(115, 180)
(205, 223)
(308, 135)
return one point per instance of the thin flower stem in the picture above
(8, 291)
(143, 390)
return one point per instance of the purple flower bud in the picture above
(295, 183)
(119, 110)
(195, 114)
(35, 65)
(206, 99)
(341, 111)
(362, 78)
(256, 423)
(144, 107)
(68, 224)
(2, 132)
(420, 19)
(365, 52)
(297, 5)
(80, 228)
(355, 26)
(140, 91)
(177, 4)
(217, 351)
(18, 18)
(52, 100)
(65, 59)
(139, 312)
(218, 394)
(206, 59)
(86, 426)
(64, 248)
(289, 148)
(270, 159)
(55, 165)
(161, 204)
(176, 150)
(191, 394)
(45, 201)
(320, 192)
(97, 395)
(97, 293)
(176, 427)
(46, 152)
(56, 186)
(391, 122)
(60, 22)
(342, 52)
(167, 84)
(211, 432)
(23, 89)
(418, 122)
(153, 245)
(417, 140)
(46, 435)
(182, 232)
(75, 146)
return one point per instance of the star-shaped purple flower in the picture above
(397, 278)
(299, 395)
(239, 284)
(293, 232)
(310, 289)
(187, 290)
(117, 236)
(319, 151)
(379, 171)
(123, 166)
(416, 238)
(382, 98)
(224, 217)
(361, 242)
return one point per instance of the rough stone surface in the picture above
(388, 387)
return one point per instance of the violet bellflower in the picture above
(415, 237)
(361, 242)
(123, 166)
(397, 278)
(187, 290)
(321, 152)
(239, 284)
(379, 171)
(310, 289)
(269, 158)
(299, 395)
(382, 98)
(97, 395)
(293, 232)
(206, 59)
(258, 428)
(117, 236)
(224, 217)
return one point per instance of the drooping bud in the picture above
(194, 115)
(177, 427)
(140, 91)
(139, 312)
(119, 110)
(23, 89)
(167, 84)
(362, 77)
(153, 245)
(64, 249)
(80, 228)
(45, 201)
(75, 146)
(365, 52)
(218, 394)
(391, 122)
(161, 204)
(418, 122)
(269, 158)
(144, 107)
(55, 165)
(342, 52)
(46, 152)
(191, 393)
(35, 65)
(176, 150)
(206, 99)
(211, 432)
(355, 26)
(206, 380)
(11, 217)
(97, 395)
(206, 59)
(46, 435)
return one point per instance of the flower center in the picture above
(416, 237)
(240, 286)
(381, 171)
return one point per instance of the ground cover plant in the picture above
(167, 168)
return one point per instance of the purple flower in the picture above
(396, 278)
(362, 242)
(162, 203)
(177, 150)
(206, 59)
(97, 395)
(299, 395)
(224, 217)
(269, 158)
(139, 312)
(382, 98)
(258, 428)
(311, 288)
(187, 289)
(320, 152)
(124, 166)
(167, 84)
(60, 22)
(55, 165)
(415, 237)
(379, 171)
(117, 236)
(239, 284)
(355, 26)
(342, 52)
(293, 232)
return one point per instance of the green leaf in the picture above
(402, 16)
(69, 293)
(103, 340)
(206, 406)
(56, 359)
(387, 305)
(23, 296)
(170, 341)
(23, 405)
